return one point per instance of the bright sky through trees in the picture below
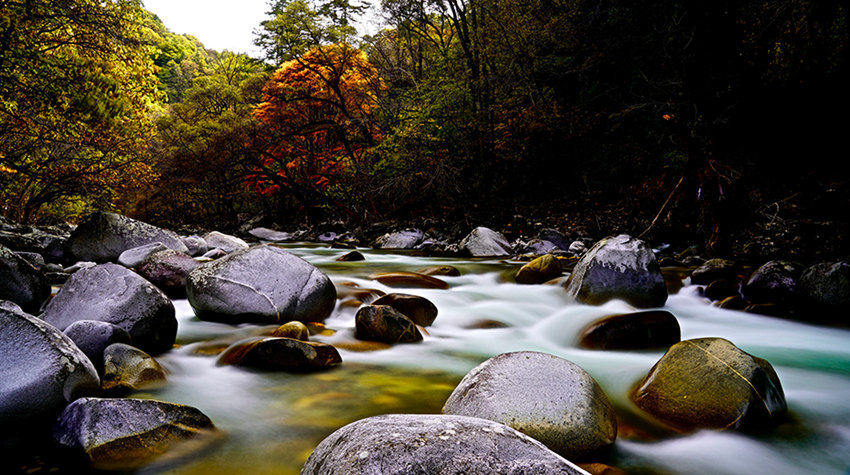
(219, 24)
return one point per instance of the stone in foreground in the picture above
(41, 370)
(263, 284)
(123, 434)
(114, 294)
(619, 267)
(711, 383)
(420, 444)
(541, 395)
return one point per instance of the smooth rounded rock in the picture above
(539, 270)
(774, 282)
(127, 368)
(484, 242)
(135, 256)
(711, 383)
(420, 444)
(125, 434)
(225, 242)
(22, 283)
(112, 293)
(263, 284)
(41, 370)
(419, 309)
(267, 234)
(407, 239)
(93, 336)
(449, 271)
(632, 331)
(195, 245)
(294, 329)
(827, 285)
(102, 237)
(541, 395)
(619, 267)
(352, 256)
(386, 324)
(168, 270)
(286, 354)
(715, 269)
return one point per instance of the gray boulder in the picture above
(419, 444)
(407, 239)
(41, 370)
(92, 337)
(484, 242)
(168, 270)
(619, 267)
(267, 234)
(774, 282)
(827, 285)
(102, 237)
(111, 293)
(131, 258)
(263, 284)
(196, 245)
(541, 395)
(123, 434)
(225, 242)
(22, 283)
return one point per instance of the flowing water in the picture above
(271, 421)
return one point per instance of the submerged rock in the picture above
(41, 371)
(102, 237)
(546, 397)
(632, 331)
(484, 242)
(409, 279)
(386, 324)
(124, 434)
(22, 283)
(449, 271)
(711, 383)
(619, 267)
(352, 256)
(286, 354)
(431, 444)
(264, 284)
(112, 293)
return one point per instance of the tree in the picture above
(318, 113)
(77, 86)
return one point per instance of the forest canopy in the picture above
(683, 113)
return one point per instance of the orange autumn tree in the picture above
(319, 130)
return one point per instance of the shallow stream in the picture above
(272, 421)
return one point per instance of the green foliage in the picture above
(77, 85)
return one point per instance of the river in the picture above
(270, 422)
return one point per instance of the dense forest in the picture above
(690, 117)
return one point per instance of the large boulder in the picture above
(264, 284)
(418, 444)
(102, 237)
(41, 370)
(711, 383)
(619, 267)
(115, 294)
(280, 353)
(484, 242)
(541, 395)
(22, 283)
(407, 239)
(123, 434)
